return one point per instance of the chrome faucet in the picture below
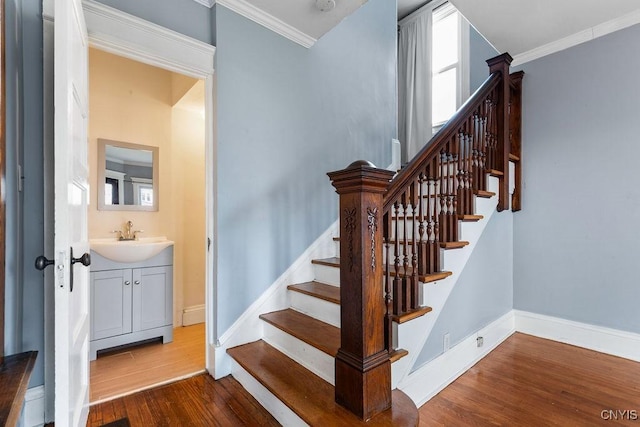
(128, 234)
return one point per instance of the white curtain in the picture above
(414, 83)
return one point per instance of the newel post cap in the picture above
(500, 62)
(361, 175)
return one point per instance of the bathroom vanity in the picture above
(131, 301)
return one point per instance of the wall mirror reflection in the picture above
(127, 176)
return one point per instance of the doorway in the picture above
(145, 108)
(127, 36)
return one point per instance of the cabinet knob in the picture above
(126, 282)
(137, 282)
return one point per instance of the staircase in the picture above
(398, 236)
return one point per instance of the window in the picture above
(449, 50)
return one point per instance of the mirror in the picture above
(127, 176)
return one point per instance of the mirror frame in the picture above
(102, 143)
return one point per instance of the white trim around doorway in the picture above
(125, 35)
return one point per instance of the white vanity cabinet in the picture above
(131, 302)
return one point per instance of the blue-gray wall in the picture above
(483, 293)
(286, 116)
(183, 16)
(24, 323)
(479, 51)
(576, 239)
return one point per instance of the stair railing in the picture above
(392, 229)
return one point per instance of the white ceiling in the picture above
(532, 28)
(525, 28)
(298, 20)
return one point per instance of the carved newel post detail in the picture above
(363, 369)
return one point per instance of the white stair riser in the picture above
(317, 308)
(271, 403)
(318, 362)
(327, 274)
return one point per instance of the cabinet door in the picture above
(110, 303)
(152, 297)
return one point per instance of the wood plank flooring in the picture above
(197, 401)
(134, 368)
(526, 381)
(529, 381)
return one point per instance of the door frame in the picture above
(119, 33)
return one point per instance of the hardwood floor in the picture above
(135, 368)
(197, 401)
(526, 381)
(529, 381)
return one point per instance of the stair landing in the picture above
(309, 396)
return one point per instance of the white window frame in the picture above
(440, 10)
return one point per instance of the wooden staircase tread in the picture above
(514, 158)
(410, 315)
(494, 172)
(331, 262)
(453, 245)
(424, 278)
(484, 194)
(397, 354)
(320, 335)
(308, 395)
(318, 290)
(470, 217)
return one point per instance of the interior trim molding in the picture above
(249, 327)
(598, 338)
(207, 3)
(257, 15)
(33, 410)
(428, 380)
(122, 34)
(578, 38)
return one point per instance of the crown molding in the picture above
(578, 38)
(122, 34)
(207, 3)
(257, 15)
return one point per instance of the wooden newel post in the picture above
(501, 64)
(363, 369)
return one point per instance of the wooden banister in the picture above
(392, 230)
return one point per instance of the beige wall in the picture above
(189, 193)
(133, 102)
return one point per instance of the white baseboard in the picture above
(424, 383)
(33, 409)
(193, 315)
(249, 327)
(598, 338)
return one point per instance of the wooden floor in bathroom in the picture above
(130, 369)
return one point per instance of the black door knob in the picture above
(85, 259)
(42, 262)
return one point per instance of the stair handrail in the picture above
(426, 153)
(445, 174)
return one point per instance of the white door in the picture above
(70, 214)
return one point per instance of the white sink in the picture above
(130, 250)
